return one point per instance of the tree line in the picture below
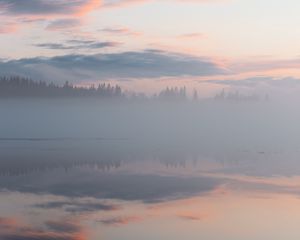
(15, 86)
(238, 97)
(25, 87)
(20, 87)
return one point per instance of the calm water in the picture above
(224, 181)
(115, 189)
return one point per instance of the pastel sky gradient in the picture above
(146, 44)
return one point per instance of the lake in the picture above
(133, 171)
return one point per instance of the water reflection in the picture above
(129, 190)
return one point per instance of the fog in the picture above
(217, 130)
(99, 160)
(203, 123)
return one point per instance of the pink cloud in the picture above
(59, 10)
(125, 3)
(88, 7)
(118, 221)
(244, 66)
(6, 28)
(192, 35)
(60, 13)
(122, 31)
(193, 216)
(47, 8)
(62, 230)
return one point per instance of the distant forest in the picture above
(25, 87)
(20, 87)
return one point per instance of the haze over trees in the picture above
(16, 86)
(25, 87)
(21, 87)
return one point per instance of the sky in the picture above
(144, 45)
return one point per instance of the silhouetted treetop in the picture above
(25, 87)
(173, 93)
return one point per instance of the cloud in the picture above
(7, 223)
(45, 7)
(8, 27)
(63, 226)
(124, 3)
(121, 31)
(56, 46)
(195, 35)
(119, 221)
(77, 207)
(75, 45)
(145, 188)
(71, 7)
(192, 216)
(286, 82)
(63, 23)
(265, 65)
(62, 13)
(59, 230)
(119, 66)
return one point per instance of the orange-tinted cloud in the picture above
(61, 13)
(123, 3)
(193, 216)
(265, 65)
(47, 8)
(89, 6)
(7, 222)
(36, 10)
(8, 28)
(193, 36)
(59, 230)
(117, 221)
